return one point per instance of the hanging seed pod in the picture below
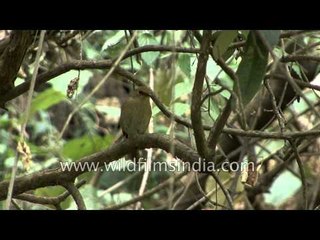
(72, 87)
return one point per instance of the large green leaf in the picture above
(148, 39)
(224, 39)
(181, 108)
(182, 89)
(271, 36)
(61, 82)
(184, 63)
(46, 99)
(83, 146)
(115, 39)
(253, 66)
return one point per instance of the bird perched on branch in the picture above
(135, 115)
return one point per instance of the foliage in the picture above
(94, 126)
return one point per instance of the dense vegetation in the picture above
(236, 96)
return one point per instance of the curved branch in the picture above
(196, 119)
(47, 200)
(12, 57)
(75, 193)
(302, 174)
(160, 48)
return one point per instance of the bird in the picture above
(135, 116)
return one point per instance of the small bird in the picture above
(135, 115)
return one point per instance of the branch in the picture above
(224, 190)
(147, 194)
(12, 57)
(236, 87)
(204, 194)
(160, 48)
(293, 58)
(196, 119)
(75, 193)
(204, 198)
(302, 174)
(267, 179)
(57, 176)
(47, 200)
(217, 128)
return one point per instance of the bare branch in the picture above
(196, 119)
(293, 58)
(217, 128)
(302, 174)
(12, 57)
(47, 200)
(159, 48)
(75, 193)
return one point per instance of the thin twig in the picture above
(235, 78)
(302, 174)
(15, 204)
(122, 182)
(298, 90)
(146, 173)
(183, 194)
(205, 195)
(276, 157)
(159, 48)
(147, 193)
(204, 198)
(276, 110)
(224, 190)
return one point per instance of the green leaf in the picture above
(115, 39)
(184, 64)
(61, 82)
(53, 191)
(181, 108)
(155, 111)
(182, 89)
(296, 68)
(212, 68)
(46, 99)
(148, 39)
(252, 68)
(83, 146)
(224, 39)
